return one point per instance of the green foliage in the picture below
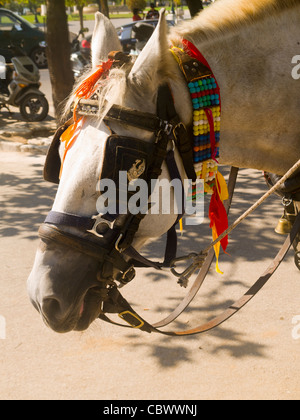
(78, 3)
(30, 4)
(136, 4)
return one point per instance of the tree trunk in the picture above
(194, 6)
(104, 7)
(80, 10)
(58, 53)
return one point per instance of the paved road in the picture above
(255, 355)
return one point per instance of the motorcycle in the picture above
(20, 87)
(78, 59)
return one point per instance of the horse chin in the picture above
(89, 310)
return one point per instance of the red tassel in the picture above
(218, 217)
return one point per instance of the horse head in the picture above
(75, 266)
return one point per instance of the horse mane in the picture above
(227, 16)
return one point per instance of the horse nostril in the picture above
(57, 316)
(51, 308)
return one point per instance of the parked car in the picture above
(126, 34)
(14, 30)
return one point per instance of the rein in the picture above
(108, 238)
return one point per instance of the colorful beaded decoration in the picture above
(205, 98)
(206, 103)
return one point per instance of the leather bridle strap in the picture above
(119, 305)
(206, 264)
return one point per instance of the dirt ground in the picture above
(254, 355)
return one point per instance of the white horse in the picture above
(250, 46)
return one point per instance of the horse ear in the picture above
(104, 40)
(150, 67)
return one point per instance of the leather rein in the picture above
(113, 248)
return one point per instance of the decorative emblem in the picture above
(137, 169)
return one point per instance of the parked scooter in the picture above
(78, 59)
(20, 87)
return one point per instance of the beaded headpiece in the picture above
(205, 99)
(206, 129)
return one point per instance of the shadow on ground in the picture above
(24, 209)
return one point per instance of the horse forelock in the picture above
(228, 15)
(111, 90)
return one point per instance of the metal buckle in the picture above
(286, 201)
(166, 127)
(99, 221)
(135, 317)
(117, 243)
(125, 279)
(184, 275)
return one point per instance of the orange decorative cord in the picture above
(85, 90)
(87, 87)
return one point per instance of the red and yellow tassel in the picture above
(218, 216)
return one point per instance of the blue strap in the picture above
(68, 219)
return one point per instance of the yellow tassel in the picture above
(217, 249)
(222, 187)
(181, 226)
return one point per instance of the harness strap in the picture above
(165, 112)
(290, 187)
(68, 219)
(119, 305)
(205, 267)
(143, 120)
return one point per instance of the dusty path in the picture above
(255, 355)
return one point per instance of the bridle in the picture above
(109, 239)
